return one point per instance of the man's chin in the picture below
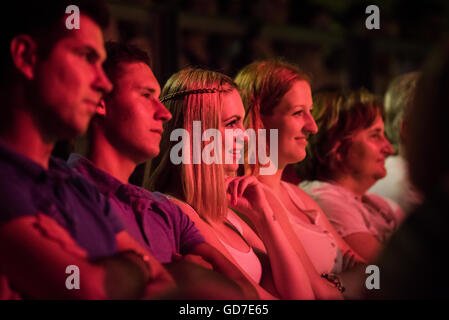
(78, 130)
(148, 154)
(68, 133)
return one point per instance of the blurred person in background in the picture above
(411, 265)
(396, 185)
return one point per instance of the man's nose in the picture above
(102, 82)
(162, 112)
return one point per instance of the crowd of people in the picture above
(209, 222)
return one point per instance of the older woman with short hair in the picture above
(346, 158)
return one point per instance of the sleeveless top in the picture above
(248, 261)
(318, 242)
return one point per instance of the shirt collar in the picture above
(57, 167)
(105, 182)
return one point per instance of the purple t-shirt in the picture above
(149, 217)
(26, 188)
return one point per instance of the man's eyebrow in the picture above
(91, 51)
(149, 89)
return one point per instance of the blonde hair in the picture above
(192, 95)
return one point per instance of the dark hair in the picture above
(337, 116)
(426, 146)
(44, 21)
(119, 53)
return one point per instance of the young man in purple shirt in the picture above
(52, 219)
(125, 133)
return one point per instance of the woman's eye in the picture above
(299, 112)
(146, 95)
(231, 124)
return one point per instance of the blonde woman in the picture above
(203, 190)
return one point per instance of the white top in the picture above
(396, 185)
(318, 242)
(373, 214)
(248, 261)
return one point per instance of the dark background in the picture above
(326, 38)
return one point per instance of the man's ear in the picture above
(101, 108)
(24, 53)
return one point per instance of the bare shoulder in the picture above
(186, 208)
(204, 228)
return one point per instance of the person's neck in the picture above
(25, 138)
(273, 181)
(110, 160)
(356, 185)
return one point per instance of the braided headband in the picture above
(181, 94)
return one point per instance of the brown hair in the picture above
(337, 116)
(262, 86)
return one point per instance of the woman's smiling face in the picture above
(365, 157)
(232, 115)
(294, 122)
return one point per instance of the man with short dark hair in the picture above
(52, 218)
(127, 132)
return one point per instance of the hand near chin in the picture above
(246, 195)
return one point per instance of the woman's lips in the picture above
(301, 139)
(236, 153)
